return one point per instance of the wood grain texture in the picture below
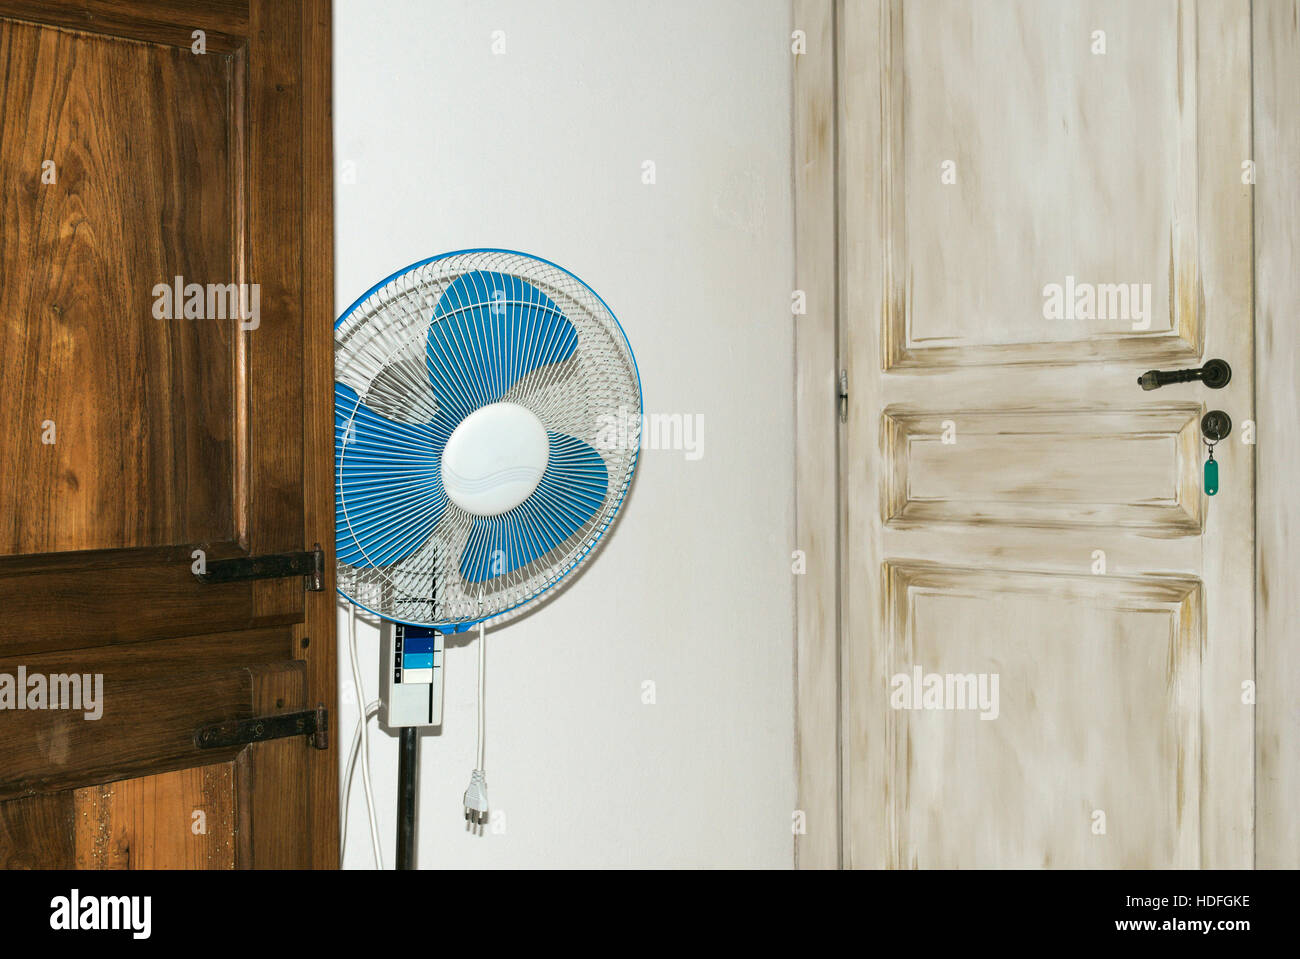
(238, 179)
(817, 678)
(1226, 269)
(1135, 469)
(36, 832)
(1277, 355)
(864, 273)
(315, 641)
(969, 343)
(975, 95)
(1098, 708)
(271, 781)
(147, 726)
(177, 820)
(141, 447)
(167, 657)
(275, 226)
(75, 600)
(154, 696)
(164, 22)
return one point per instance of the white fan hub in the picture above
(494, 459)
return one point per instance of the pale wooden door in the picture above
(1015, 505)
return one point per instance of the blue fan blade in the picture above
(489, 330)
(571, 490)
(388, 491)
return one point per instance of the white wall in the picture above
(541, 149)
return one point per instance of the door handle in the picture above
(1214, 374)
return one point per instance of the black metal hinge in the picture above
(310, 565)
(313, 723)
(843, 396)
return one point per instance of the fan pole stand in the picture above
(407, 769)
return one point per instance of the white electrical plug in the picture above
(476, 801)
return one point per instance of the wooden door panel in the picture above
(148, 700)
(142, 450)
(255, 801)
(177, 820)
(36, 832)
(67, 600)
(189, 138)
(1096, 713)
(273, 369)
(1012, 140)
(224, 22)
(272, 783)
(169, 432)
(1015, 505)
(1136, 469)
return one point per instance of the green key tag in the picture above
(1211, 475)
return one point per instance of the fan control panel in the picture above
(411, 664)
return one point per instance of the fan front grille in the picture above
(408, 553)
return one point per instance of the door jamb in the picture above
(1275, 88)
(817, 516)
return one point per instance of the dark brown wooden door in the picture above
(149, 149)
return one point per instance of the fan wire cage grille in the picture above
(381, 347)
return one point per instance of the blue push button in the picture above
(418, 644)
(417, 660)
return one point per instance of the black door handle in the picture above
(1214, 374)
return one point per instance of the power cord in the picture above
(365, 740)
(372, 710)
(476, 799)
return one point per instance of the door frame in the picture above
(819, 453)
(316, 642)
(818, 713)
(1275, 88)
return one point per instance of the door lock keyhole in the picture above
(1215, 425)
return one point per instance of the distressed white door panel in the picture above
(1014, 505)
(1136, 469)
(1058, 164)
(1088, 760)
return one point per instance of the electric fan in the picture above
(487, 413)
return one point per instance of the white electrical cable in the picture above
(476, 801)
(365, 740)
(482, 691)
(372, 710)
